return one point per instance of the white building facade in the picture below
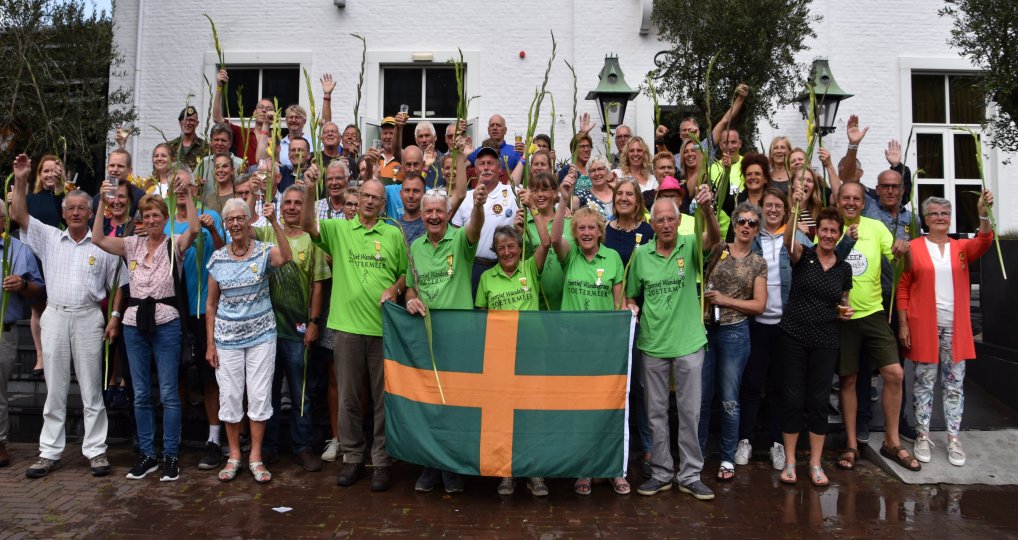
(894, 57)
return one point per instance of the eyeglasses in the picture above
(774, 206)
(889, 187)
(938, 214)
(370, 197)
(350, 204)
(747, 221)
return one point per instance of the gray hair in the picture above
(939, 201)
(424, 126)
(235, 203)
(294, 187)
(438, 195)
(182, 168)
(747, 207)
(599, 159)
(506, 231)
(77, 193)
(670, 201)
(338, 162)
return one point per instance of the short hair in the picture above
(641, 207)
(506, 231)
(376, 181)
(221, 127)
(294, 187)
(414, 176)
(153, 201)
(296, 109)
(780, 195)
(351, 190)
(234, 204)
(670, 201)
(300, 139)
(424, 126)
(574, 143)
(756, 158)
(126, 154)
(354, 126)
(75, 193)
(182, 168)
(38, 174)
(690, 119)
(588, 212)
(543, 137)
(748, 207)
(664, 154)
(338, 162)
(939, 201)
(436, 195)
(598, 159)
(862, 189)
(243, 179)
(620, 126)
(832, 214)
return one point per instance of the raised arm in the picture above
(280, 253)
(109, 244)
(193, 227)
(328, 85)
(792, 245)
(308, 220)
(459, 182)
(848, 171)
(712, 234)
(558, 241)
(217, 99)
(476, 222)
(741, 91)
(397, 137)
(832, 175)
(19, 204)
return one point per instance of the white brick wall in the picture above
(864, 41)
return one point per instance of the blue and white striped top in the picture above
(244, 318)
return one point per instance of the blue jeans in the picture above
(162, 345)
(289, 362)
(727, 353)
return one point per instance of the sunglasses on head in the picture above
(747, 221)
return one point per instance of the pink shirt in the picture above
(149, 279)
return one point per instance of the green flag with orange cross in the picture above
(533, 393)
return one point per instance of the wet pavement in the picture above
(861, 504)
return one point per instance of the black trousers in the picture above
(762, 382)
(808, 371)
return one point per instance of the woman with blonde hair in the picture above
(636, 162)
(778, 155)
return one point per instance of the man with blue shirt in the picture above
(196, 276)
(506, 153)
(24, 282)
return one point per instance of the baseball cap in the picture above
(388, 121)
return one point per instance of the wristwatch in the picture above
(315, 320)
(116, 314)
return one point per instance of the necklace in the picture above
(233, 249)
(631, 228)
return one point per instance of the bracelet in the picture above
(984, 218)
(327, 98)
(24, 284)
(116, 314)
(853, 146)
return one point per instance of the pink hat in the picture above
(670, 183)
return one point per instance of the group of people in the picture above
(246, 258)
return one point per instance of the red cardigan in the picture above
(917, 294)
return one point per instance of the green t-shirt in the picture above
(588, 284)
(670, 322)
(365, 262)
(735, 181)
(874, 241)
(444, 270)
(518, 292)
(552, 275)
(289, 287)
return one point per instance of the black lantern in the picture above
(828, 96)
(612, 93)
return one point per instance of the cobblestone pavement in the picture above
(865, 503)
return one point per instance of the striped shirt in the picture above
(77, 273)
(244, 317)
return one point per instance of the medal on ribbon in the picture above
(91, 260)
(300, 255)
(682, 267)
(523, 281)
(449, 271)
(378, 250)
(133, 265)
(639, 238)
(254, 268)
(600, 273)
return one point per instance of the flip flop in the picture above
(788, 475)
(726, 472)
(817, 477)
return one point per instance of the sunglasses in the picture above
(747, 221)
(440, 191)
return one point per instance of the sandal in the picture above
(788, 475)
(261, 474)
(582, 486)
(726, 472)
(817, 477)
(621, 486)
(846, 461)
(906, 461)
(229, 472)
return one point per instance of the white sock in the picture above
(214, 433)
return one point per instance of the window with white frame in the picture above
(428, 91)
(942, 105)
(254, 82)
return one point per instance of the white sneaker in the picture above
(742, 452)
(955, 454)
(331, 452)
(923, 448)
(778, 456)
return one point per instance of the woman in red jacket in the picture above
(933, 308)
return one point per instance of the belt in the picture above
(8, 327)
(485, 262)
(72, 309)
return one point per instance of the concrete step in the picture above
(989, 459)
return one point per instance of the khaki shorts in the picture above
(870, 335)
